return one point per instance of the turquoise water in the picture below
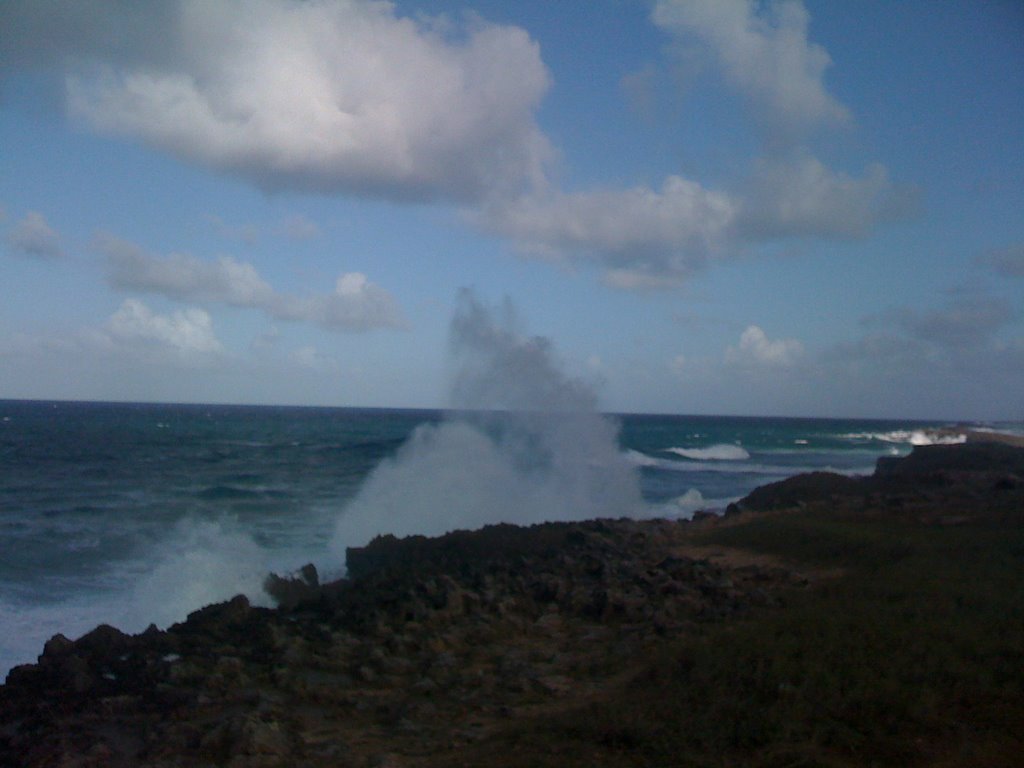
(139, 513)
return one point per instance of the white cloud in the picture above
(33, 236)
(348, 96)
(643, 237)
(187, 330)
(345, 96)
(356, 304)
(756, 348)
(764, 51)
(183, 277)
(648, 239)
(802, 197)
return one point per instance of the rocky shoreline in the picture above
(433, 649)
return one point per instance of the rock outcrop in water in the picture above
(434, 647)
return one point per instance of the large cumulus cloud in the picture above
(338, 96)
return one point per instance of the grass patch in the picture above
(914, 657)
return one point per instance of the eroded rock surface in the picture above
(431, 644)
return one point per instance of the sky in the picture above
(705, 206)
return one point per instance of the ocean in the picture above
(132, 514)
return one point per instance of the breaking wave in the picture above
(911, 436)
(720, 452)
(769, 471)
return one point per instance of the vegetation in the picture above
(914, 655)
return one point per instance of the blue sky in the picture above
(794, 208)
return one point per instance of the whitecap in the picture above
(640, 459)
(719, 452)
(911, 436)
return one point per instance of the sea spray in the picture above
(523, 443)
(201, 562)
(117, 512)
(196, 563)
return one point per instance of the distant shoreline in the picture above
(984, 436)
(952, 425)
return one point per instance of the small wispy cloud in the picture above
(799, 196)
(34, 237)
(965, 324)
(187, 330)
(355, 304)
(756, 348)
(183, 277)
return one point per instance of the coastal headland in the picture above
(823, 620)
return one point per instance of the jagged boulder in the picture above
(292, 589)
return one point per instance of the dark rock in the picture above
(801, 489)
(218, 617)
(958, 460)
(295, 588)
(56, 647)
(1007, 483)
(461, 550)
(102, 642)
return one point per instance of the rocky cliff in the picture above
(433, 648)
